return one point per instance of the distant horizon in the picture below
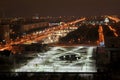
(58, 16)
(27, 8)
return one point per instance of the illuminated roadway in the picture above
(101, 35)
(38, 37)
(114, 18)
(113, 30)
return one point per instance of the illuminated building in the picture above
(4, 33)
(28, 27)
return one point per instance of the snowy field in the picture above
(58, 59)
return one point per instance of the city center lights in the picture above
(39, 37)
(88, 47)
(60, 39)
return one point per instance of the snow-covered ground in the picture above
(50, 62)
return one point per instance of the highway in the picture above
(33, 37)
(41, 35)
(101, 34)
(114, 18)
(55, 59)
(113, 30)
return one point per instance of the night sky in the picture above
(11, 8)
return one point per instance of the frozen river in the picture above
(62, 59)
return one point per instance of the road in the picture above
(114, 18)
(113, 30)
(101, 35)
(38, 36)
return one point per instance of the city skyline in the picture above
(84, 45)
(13, 8)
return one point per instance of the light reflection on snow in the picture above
(50, 62)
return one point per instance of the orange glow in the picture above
(101, 36)
(114, 31)
(116, 34)
(36, 37)
(114, 18)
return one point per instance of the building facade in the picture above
(4, 33)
